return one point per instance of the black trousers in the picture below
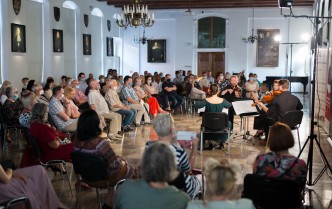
(263, 122)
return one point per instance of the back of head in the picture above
(284, 83)
(280, 137)
(56, 89)
(163, 125)
(88, 125)
(8, 91)
(28, 98)
(158, 163)
(39, 113)
(214, 89)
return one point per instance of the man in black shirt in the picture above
(170, 90)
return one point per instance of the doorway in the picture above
(211, 61)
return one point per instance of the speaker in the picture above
(285, 3)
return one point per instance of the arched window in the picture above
(211, 32)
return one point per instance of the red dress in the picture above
(44, 135)
(153, 105)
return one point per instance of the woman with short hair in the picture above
(158, 167)
(12, 107)
(279, 162)
(28, 99)
(71, 109)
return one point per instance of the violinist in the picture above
(280, 105)
(231, 93)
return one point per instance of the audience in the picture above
(4, 86)
(170, 90)
(62, 121)
(48, 88)
(12, 107)
(90, 141)
(251, 87)
(158, 167)
(80, 99)
(82, 84)
(25, 81)
(39, 92)
(71, 109)
(157, 84)
(220, 186)
(30, 84)
(204, 82)
(193, 90)
(221, 81)
(28, 99)
(278, 162)
(210, 77)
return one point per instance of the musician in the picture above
(280, 105)
(231, 93)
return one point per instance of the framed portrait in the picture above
(267, 48)
(57, 40)
(87, 44)
(18, 38)
(157, 51)
(109, 46)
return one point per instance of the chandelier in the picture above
(252, 38)
(135, 15)
(142, 40)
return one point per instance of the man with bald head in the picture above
(98, 103)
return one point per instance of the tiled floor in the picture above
(242, 152)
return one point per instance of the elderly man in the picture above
(204, 82)
(58, 114)
(80, 99)
(116, 105)
(99, 104)
(38, 90)
(130, 98)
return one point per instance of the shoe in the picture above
(259, 133)
(142, 123)
(210, 147)
(127, 129)
(118, 135)
(137, 124)
(147, 123)
(112, 137)
(56, 169)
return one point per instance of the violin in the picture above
(268, 98)
(237, 88)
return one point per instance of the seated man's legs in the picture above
(71, 127)
(115, 125)
(140, 111)
(177, 101)
(129, 116)
(146, 113)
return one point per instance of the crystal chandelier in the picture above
(252, 38)
(142, 40)
(135, 15)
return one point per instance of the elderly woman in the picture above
(12, 107)
(52, 143)
(71, 109)
(163, 124)
(279, 162)
(157, 168)
(150, 102)
(4, 86)
(221, 186)
(90, 141)
(28, 99)
(31, 182)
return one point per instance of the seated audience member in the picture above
(120, 81)
(129, 98)
(157, 84)
(170, 90)
(259, 84)
(152, 91)
(90, 141)
(4, 86)
(102, 81)
(48, 88)
(28, 99)
(192, 91)
(71, 109)
(163, 124)
(221, 187)
(251, 87)
(158, 167)
(63, 81)
(52, 143)
(39, 92)
(204, 82)
(279, 162)
(227, 76)
(80, 99)
(91, 76)
(98, 103)
(103, 90)
(215, 104)
(134, 75)
(58, 114)
(150, 103)
(210, 77)
(178, 78)
(82, 84)
(25, 81)
(117, 106)
(30, 84)
(31, 182)
(221, 81)
(12, 107)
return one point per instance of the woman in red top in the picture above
(52, 143)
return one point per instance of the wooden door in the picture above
(211, 61)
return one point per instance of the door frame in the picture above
(196, 50)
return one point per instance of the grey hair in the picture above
(158, 163)
(39, 113)
(29, 99)
(163, 124)
(35, 87)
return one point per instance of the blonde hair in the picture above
(67, 92)
(28, 98)
(163, 124)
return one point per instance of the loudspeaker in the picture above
(285, 3)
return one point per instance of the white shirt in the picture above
(157, 86)
(98, 101)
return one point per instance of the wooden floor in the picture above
(242, 152)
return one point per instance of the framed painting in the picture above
(109, 46)
(87, 44)
(57, 40)
(157, 51)
(267, 48)
(18, 38)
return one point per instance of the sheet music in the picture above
(244, 106)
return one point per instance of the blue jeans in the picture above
(176, 100)
(129, 116)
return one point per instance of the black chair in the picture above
(294, 119)
(215, 123)
(3, 132)
(16, 201)
(92, 170)
(51, 163)
(272, 193)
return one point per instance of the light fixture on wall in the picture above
(143, 40)
(135, 15)
(252, 38)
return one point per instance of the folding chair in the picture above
(294, 119)
(215, 123)
(272, 193)
(16, 201)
